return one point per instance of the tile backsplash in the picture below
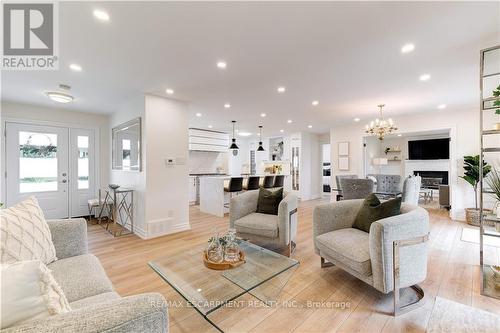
(207, 162)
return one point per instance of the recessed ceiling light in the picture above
(289, 121)
(221, 64)
(442, 106)
(198, 114)
(169, 91)
(356, 119)
(263, 115)
(407, 48)
(282, 131)
(237, 130)
(400, 134)
(227, 105)
(101, 15)
(425, 77)
(310, 126)
(281, 89)
(59, 97)
(244, 134)
(210, 126)
(76, 67)
(314, 103)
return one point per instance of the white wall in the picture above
(464, 133)
(61, 116)
(132, 179)
(310, 181)
(167, 195)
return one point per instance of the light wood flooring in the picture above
(453, 273)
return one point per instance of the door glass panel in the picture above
(37, 162)
(83, 162)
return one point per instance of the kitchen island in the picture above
(212, 195)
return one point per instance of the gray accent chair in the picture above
(339, 186)
(411, 190)
(96, 307)
(274, 232)
(391, 256)
(356, 188)
(387, 183)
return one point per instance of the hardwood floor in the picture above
(453, 273)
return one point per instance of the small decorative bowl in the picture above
(114, 186)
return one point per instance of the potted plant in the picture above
(496, 93)
(472, 177)
(493, 182)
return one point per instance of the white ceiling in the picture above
(345, 55)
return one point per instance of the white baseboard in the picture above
(162, 227)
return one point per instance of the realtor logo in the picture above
(29, 36)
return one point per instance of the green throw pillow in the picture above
(374, 210)
(269, 201)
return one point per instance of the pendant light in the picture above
(233, 141)
(260, 140)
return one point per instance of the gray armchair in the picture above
(95, 306)
(411, 190)
(391, 256)
(270, 231)
(387, 183)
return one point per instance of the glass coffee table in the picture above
(263, 275)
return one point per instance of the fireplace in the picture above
(432, 179)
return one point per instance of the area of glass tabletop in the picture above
(208, 290)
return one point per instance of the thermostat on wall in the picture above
(169, 162)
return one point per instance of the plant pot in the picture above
(472, 216)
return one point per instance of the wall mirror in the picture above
(127, 146)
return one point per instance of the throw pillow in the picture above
(29, 291)
(269, 201)
(374, 210)
(25, 235)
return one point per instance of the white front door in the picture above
(54, 164)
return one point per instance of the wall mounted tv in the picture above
(433, 149)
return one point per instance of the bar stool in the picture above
(268, 182)
(279, 181)
(235, 185)
(253, 183)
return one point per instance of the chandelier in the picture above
(381, 127)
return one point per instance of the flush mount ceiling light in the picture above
(260, 148)
(227, 105)
(263, 115)
(101, 15)
(357, 119)
(407, 48)
(59, 97)
(221, 64)
(198, 114)
(441, 106)
(425, 77)
(289, 121)
(381, 127)
(315, 103)
(75, 67)
(233, 145)
(281, 89)
(169, 91)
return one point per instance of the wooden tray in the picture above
(223, 265)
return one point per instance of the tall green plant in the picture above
(493, 182)
(471, 176)
(496, 93)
